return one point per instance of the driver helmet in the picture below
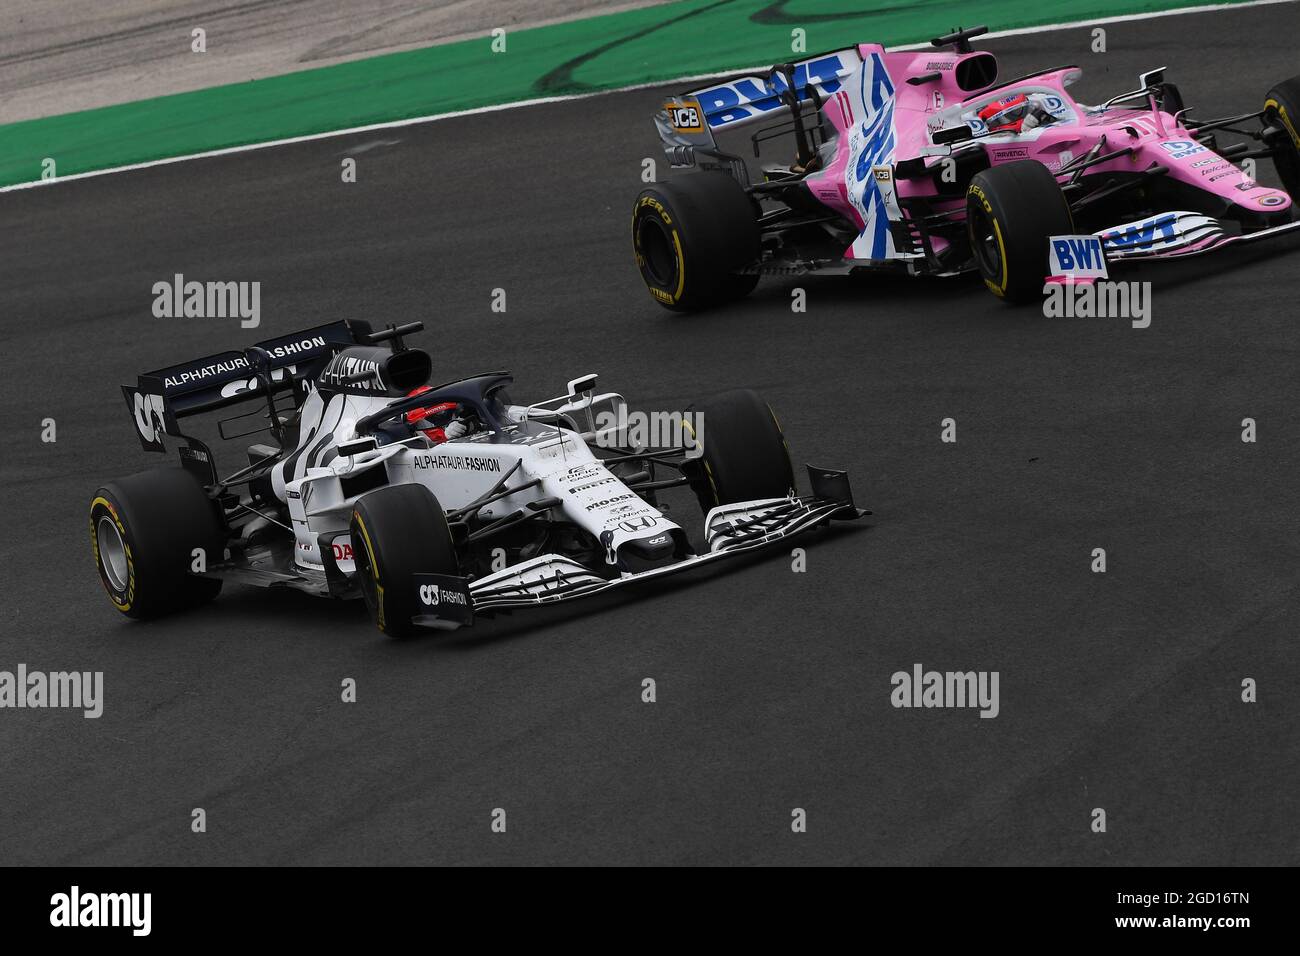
(422, 419)
(1008, 115)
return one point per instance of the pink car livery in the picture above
(923, 161)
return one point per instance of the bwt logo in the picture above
(1182, 148)
(1077, 254)
(432, 595)
(1143, 233)
(74, 909)
(750, 96)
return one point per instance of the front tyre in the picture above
(398, 532)
(147, 532)
(1282, 110)
(691, 237)
(744, 455)
(1011, 213)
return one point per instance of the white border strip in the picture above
(498, 107)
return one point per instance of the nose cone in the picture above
(1272, 201)
(650, 547)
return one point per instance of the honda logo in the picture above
(638, 524)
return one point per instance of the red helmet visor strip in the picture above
(417, 415)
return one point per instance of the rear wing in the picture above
(162, 397)
(742, 100)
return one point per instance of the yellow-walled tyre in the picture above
(397, 532)
(1282, 110)
(691, 238)
(144, 532)
(1011, 212)
(744, 454)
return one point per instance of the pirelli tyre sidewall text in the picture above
(1011, 212)
(691, 237)
(1282, 109)
(398, 532)
(745, 457)
(148, 532)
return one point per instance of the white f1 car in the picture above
(363, 494)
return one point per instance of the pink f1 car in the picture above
(924, 162)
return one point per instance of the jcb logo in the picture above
(148, 415)
(685, 117)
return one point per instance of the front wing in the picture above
(1177, 235)
(729, 530)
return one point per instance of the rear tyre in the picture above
(1282, 109)
(1011, 212)
(144, 531)
(745, 457)
(397, 532)
(691, 236)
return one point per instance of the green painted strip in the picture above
(636, 46)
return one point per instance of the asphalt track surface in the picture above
(1118, 690)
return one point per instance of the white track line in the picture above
(478, 110)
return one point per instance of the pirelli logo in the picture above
(685, 115)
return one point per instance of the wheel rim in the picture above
(112, 553)
(660, 261)
(985, 244)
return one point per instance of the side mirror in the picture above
(581, 385)
(953, 134)
(357, 446)
(1152, 78)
